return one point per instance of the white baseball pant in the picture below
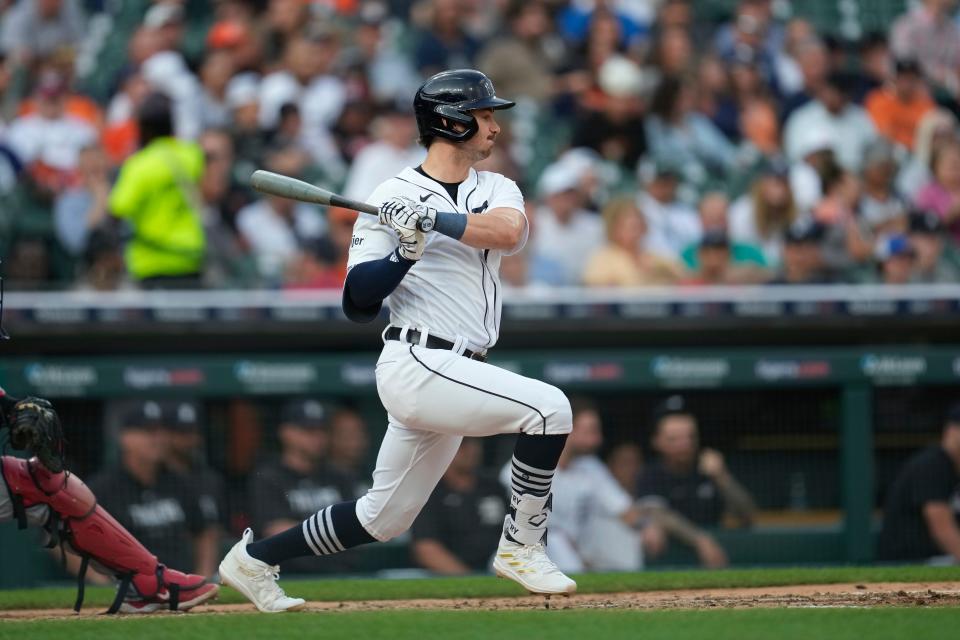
(433, 398)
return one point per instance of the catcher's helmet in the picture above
(449, 96)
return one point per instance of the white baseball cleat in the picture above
(255, 579)
(531, 568)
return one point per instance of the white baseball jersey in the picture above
(454, 290)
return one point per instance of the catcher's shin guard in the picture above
(94, 534)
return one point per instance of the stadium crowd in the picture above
(658, 142)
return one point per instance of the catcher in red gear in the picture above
(41, 492)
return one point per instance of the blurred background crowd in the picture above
(657, 142)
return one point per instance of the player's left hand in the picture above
(35, 427)
(406, 213)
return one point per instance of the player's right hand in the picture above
(411, 242)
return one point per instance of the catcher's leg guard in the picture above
(95, 534)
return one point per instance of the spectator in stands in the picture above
(814, 62)
(921, 511)
(215, 73)
(672, 225)
(936, 262)
(752, 29)
(120, 135)
(672, 52)
(302, 476)
(284, 20)
(236, 36)
(156, 506)
(942, 194)
(728, 260)
(898, 107)
(389, 69)
(880, 211)
(48, 141)
(615, 127)
(848, 125)
(157, 194)
(802, 261)
(675, 131)
(276, 229)
(454, 533)
(445, 42)
(166, 70)
(83, 208)
(567, 234)
(37, 28)
(816, 160)
(936, 128)
(787, 70)
(896, 259)
(394, 148)
(694, 481)
(844, 244)
(624, 261)
(928, 33)
(522, 62)
(716, 264)
(185, 458)
(349, 448)
(761, 217)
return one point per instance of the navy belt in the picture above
(433, 342)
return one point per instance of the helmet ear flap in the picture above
(453, 114)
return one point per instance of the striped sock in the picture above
(525, 479)
(330, 530)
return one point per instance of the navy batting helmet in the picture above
(447, 98)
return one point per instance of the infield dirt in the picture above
(929, 594)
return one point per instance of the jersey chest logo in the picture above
(481, 208)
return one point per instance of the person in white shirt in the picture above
(673, 225)
(848, 125)
(395, 148)
(434, 251)
(566, 234)
(277, 229)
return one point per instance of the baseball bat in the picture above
(287, 187)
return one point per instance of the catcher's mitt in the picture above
(35, 427)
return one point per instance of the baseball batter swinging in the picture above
(435, 252)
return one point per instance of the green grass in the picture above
(482, 586)
(761, 624)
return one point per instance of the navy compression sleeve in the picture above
(368, 283)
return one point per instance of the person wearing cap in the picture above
(185, 458)
(672, 224)
(716, 264)
(624, 261)
(157, 193)
(802, 255)
(896, 259)
(897, 107)
(922, 508)
(692, 480)
(713, 209)
(567, 233)
(937, 261)
(848, 126)
(614, 127)
(158, 507)
(760, 217)
(394, 147)
(289, 488)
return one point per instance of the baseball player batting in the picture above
(434, 251)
